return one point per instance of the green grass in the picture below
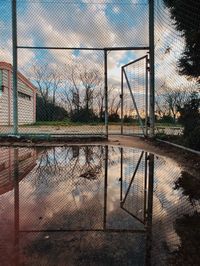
(60, 123)
(70, 123)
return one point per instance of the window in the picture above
(24, 96)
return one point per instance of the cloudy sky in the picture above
(94, 24)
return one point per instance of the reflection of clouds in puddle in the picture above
(66, 190)
(165, 201)
(6, 209)
(67, 198)
(47, 199)
(169, 204)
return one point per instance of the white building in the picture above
(26, 97)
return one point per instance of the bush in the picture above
(83, 115)
(190, 116)
(166, 119)
(113, 117)
(128, 119)
(193, 140)
(47, 111)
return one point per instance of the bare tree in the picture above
(72, 88)
(90, 80)
(169, 101)
(114, 101)
(100, 96)
(48, 81)
(82, 86)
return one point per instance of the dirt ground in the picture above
(188, 161)
(87, 129)
(70, 129)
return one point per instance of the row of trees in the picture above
(184, 108)
(169, 102)
(75, 93)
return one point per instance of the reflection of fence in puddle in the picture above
(86, 212)
(99, 194)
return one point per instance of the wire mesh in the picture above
(99, 24)
(172, 207)
(94, 249)
(135, 101)
(95, 24)
(59, 197)
(71, 93)
(62, 91)
(133, 181)
(177, 70)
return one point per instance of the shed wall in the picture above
(26, 101)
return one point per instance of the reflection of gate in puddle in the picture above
(137, 193)
(135, 200)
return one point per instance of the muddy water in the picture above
(96, 205)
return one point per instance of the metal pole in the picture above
(152, 68)
(150, 209)
(145, 187)
(105, 188)
(121, 176)
(14, 42)
(122, 102)
(106, 90)
(16, 206)
(135, 61)
(147, 97)
(136, 48)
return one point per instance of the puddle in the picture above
(96, 205)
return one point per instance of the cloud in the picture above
(116, 9)
(93, 25)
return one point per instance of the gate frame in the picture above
(144, 126)
(151, 49)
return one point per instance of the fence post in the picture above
(14, 43)
(106, 89)
(121, 175)
(122, 102)
(150, 210)
(16, 205)
(152, 68)
(105, 188)
(147, 97)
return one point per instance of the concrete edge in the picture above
(179, 146)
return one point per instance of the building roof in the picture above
(7, 66)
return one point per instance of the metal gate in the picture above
(135, 97)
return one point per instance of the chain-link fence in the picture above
(108, 205)
(177, 68)
(66, 83)
(69, 56)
